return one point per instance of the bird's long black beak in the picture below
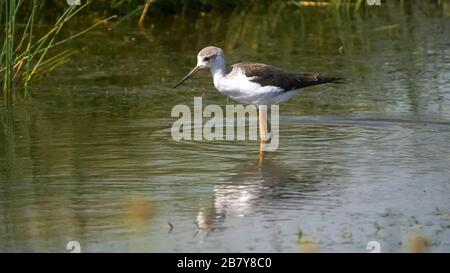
(188, 75)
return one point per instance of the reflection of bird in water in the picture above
(251, 186)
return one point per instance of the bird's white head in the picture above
(209, 57)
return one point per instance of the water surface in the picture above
(90, 156)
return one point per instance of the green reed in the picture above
(25, 56)
(7, 53)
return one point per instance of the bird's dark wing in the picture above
(264, 75)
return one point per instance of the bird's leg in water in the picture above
(263, 133)
(262, 154)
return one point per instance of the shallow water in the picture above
(90, 156)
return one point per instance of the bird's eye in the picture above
(207, 59)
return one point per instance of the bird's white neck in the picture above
(218, 70)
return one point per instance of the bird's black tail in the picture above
(310, 79)
(322, 80)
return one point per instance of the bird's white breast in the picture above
(240, 88)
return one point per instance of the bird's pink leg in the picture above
(263, 133)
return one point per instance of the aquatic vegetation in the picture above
(27, 56)
(418, 243)
(139, 210)
(190, 7)
(305, 245)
